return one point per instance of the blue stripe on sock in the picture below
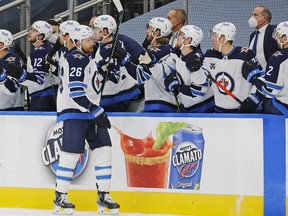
(102, 167)
(64, 178)
(103, 177)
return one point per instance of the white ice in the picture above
(37, 212)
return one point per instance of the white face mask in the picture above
(252, 22)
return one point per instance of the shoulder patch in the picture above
(78, 56)
(277, 53)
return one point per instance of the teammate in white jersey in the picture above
(11, 94)
(224, 61)
(274, 84)
(180, 71)
(83, 118)
(157, 34)
(119, 88)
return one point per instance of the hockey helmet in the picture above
(281, 29)
(163, 24)
(194, 32)
(81, 32)
(225, 28)
(67, 27)
(43, 27)
(6, 38)
(105, 21)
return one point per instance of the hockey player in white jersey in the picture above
(274, 83)
(42, 97)
(156, 98)
(37, 77)
(119, 88)
(180, 73)
(224, 61)
(11, 94)
(83, 118)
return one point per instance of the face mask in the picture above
(53, 38)
(252, 22)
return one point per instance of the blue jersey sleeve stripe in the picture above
(77, 94)
(77, 84)
(273, 86)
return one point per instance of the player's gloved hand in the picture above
(250, 70)
(114, 76)
(193, 62)
(17, 72)
(3, 75)
(251, 103)
(121, 55)
(146, 59)
(99, 116)
(172, 84)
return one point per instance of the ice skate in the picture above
(106, 205)
(62, 205)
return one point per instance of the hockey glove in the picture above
(121, 55)
(250, 71)
(100, 118)
(147, 59)
(172, 84)
(17, 72)
(251, 103)
(193, 62)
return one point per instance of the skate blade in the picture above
(60, 211)
(106, 211)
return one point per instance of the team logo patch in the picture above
(108, 46)
(212, 66)
(11, 59)
(244, 49)
(39, 48)
(78, 56)
(155, 49)
(52, 149)
(226, 80)
(278, 53)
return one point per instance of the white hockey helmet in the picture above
(194, 32)
(281, 29)
(67, 27)
(163, 24)
(105, 21)
(6, 38)
(81, 32)
(225, 28)
(43, 27)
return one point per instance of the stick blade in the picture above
(118, 5)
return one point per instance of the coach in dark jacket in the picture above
(265, 44)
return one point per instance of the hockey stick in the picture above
(20, 53)
(209, 76)
(120, 10)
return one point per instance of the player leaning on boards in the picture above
(180, 71)
(224, 63)
(83, 118)
(274, 83)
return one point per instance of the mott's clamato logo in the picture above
(51, 152)
(186, 159)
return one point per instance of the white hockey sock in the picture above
(65, 170)
(103, 158)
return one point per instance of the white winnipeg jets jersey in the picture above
(81, 85)
(227, 70)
